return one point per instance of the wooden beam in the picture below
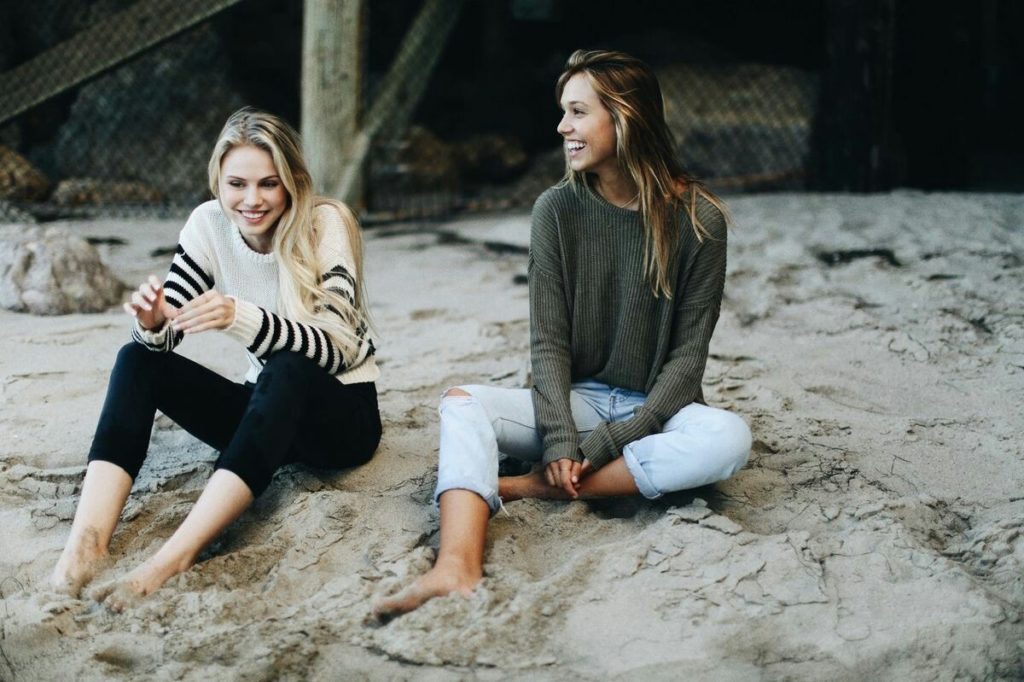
(98, 48)
(332, 88)
(403, 86)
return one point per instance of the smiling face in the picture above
(587, 128)
(252, 195)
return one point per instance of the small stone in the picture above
(830, 513)
(867, 510)
(690, 514)
(722, 524)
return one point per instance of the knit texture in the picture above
(593, 315)
(212, 254)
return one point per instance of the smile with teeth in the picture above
(253, 215)
(574, 146)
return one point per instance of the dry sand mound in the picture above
(875, 344)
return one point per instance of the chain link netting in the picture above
(135, 137)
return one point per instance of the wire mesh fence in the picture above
(135, 136)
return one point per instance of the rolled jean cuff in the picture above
(640, 477)
(489, 496)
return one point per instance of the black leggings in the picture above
(295, 412)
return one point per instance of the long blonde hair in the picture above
(295, 240)
(645, 149)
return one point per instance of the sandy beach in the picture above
(875, 345)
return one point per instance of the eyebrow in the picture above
(239, 177)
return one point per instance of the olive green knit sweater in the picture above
(593, 315)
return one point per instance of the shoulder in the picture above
(208, 212)
(205, 223)
(331, 222)
(559, 198)
(710, 216)
(331, 214)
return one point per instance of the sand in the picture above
(875, 534)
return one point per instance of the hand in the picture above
(148, 305)
(212, 310)
(564, 473)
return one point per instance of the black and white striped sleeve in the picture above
(189, 277)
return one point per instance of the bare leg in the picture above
(223, 500)
(611, 480)
(104, 492)
(459, 566)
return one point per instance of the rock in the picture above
(490, 158)
(119, 127)
(722, 524)
(19, 179)
(50, 272)
(89, 191)
(750, 123)
(421, 160)
(9, 213)
(690, 514)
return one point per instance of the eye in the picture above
(577, 112)
(270, 184)
(236, 183)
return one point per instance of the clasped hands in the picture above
(567, 474)
(211, 310)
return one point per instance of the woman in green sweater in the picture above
(626, 272)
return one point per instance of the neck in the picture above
(617, 189)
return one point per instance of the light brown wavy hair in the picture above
(300, 296)
(645, 149)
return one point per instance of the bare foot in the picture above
(78, 564)
(437, 582)
(511, 488)
(119, 594)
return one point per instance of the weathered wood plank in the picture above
(403, 86)
(332, 88)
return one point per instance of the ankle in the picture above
(459, 568)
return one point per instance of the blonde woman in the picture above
(626, 272)
(280, 271)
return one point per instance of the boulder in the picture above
(51, 272)
(92, 192)
(490, 158)
(19, 179)
(746, 124)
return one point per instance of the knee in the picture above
(456, 392)
(734, 438)
(133, 356)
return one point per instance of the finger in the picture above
(586, 469)
(155, 282)
(548, 475)
(140, 302)
(574, 473)
(130, 309)
(566, 478)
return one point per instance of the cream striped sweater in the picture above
(212, 254)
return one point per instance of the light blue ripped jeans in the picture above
(698, 446)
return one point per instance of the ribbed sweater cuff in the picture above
(248, 319)
(566, 450)
(152, 337)
(605, 442)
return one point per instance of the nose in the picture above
(252, 195)
(564, 125)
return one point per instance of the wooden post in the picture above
(332, 89)
(403, 85)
